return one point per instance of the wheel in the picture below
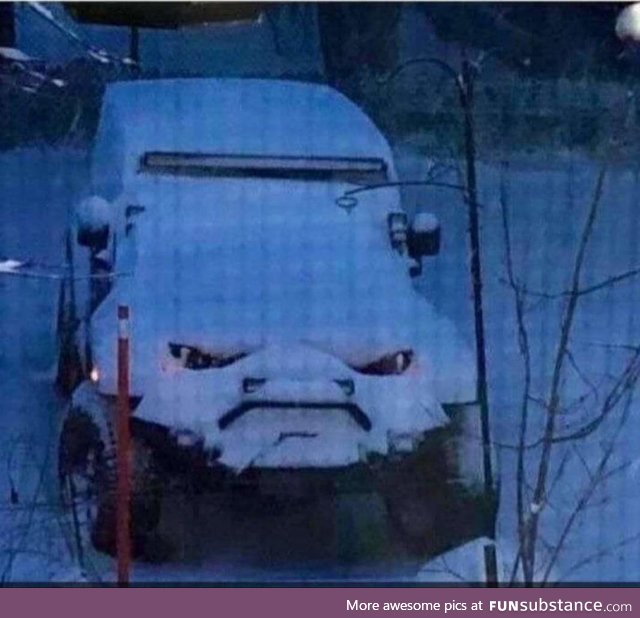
(88, 479)
(79, 451)
(412, 514)
(435, 498)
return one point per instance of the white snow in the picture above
(42, 10)
(226, 116)
(628, 23)
(233, 264)
(10, 266)
(14, 54)
(196, 400)
(271, 268)
(100, 55)
(93, 213)
(425, 222)
(464, 564)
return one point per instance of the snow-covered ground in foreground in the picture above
(37, 187)
(547, 202)
(548, 211)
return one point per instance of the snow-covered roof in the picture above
(230, 116)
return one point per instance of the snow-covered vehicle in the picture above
(277, 339)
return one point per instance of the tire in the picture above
(434, 497)
(412, 515)
(87, 472)
(414, 492)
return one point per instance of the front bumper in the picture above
(423, 491)
(426, 489)
(294, 421)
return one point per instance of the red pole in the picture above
(123, 531)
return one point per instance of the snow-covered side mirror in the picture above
(424, 236)
(93, 222)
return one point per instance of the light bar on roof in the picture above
(181, 163)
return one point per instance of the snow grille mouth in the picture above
(354, 411)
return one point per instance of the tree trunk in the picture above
(7, 25)
(358, 36)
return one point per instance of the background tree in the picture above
(7, 25)
(357, 36)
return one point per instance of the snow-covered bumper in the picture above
(284, 408)
(434, 493)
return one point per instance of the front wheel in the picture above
(88, 479)
(435, 497)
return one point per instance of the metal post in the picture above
(7, 24)
(123, 533)
(134, 44)
(466, 91)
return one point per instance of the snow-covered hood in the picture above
(231, 265)
(237, 265)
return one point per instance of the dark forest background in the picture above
(549, 73)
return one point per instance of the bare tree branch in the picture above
(437, 62)
(554, 399)
(626, 380)
(525, 352)
(596, 556)
(596, 287)
(589, 491)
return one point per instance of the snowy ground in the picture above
(36, 190)
(549, 206)
(547, 201)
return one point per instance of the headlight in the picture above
(191, 357)
(94, 375)
(391, 364)
(186, 438)
(402, 442)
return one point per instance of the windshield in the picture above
(341, 169)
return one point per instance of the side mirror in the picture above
(424, 236)
(93, 222)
